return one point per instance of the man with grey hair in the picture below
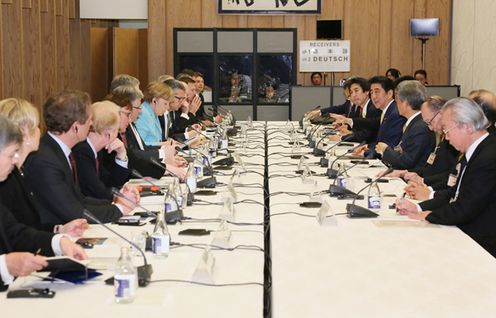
(417, 141)
(469, 203)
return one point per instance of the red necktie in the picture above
(72, 160)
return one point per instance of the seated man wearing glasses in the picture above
(417, 141)
(469, 203)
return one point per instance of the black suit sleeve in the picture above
(415, 146)
(61, 200)
(21, 238)
(367, 123)
(476, 193)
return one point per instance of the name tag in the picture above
(452, 180)
(452, 177)
(431, 158)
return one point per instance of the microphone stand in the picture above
(191, 197)
(125, 197)
(335, 190)
(332, 173)
(356, 211)
(145, 271)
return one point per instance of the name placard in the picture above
(325, 56)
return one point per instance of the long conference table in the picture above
(282, 261)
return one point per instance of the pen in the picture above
(38, 251)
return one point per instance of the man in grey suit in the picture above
(417, 141)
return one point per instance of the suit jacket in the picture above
(49, 175)
(416, 144)
(139, 158)
(445, 161)
(343, 109)
(17, 237)
(97, 184)
(474, 211)
(365, 134)
(18, 198)
(389, 131)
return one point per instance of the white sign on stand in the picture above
(325, 56)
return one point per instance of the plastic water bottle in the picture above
(125, 278)
(191, 177)
(170, 201)
(178, 193)
(198, 165)
(342, 175)
(374, 197)
(161, 237)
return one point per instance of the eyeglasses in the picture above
(180, 98)
(446, 131)
(128, 114)
(429, 123)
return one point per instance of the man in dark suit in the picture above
(95, 179)
(362, 107)
(389, 125)
(52, 173)
(418, 141)
(469, 203)
(346, 109)
(18, 242)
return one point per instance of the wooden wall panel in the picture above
(143, 57)
(86, 56)
(48, 49)
(378, 30)
(11, 25)
(130, 49)
(100, 63)
(209, 20)
(365, 34)
(401, 42)
(43, 48)
(157, 49)
(32, 53)
(1, 55)
(62, 44)
(125, 51)
(439, 48)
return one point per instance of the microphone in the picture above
(189, 200)
(138, 175)
(145, 271)
(209, 171)
(356, 211)
(319, 152)
(311, 143)
(332, 173)
(199, 132)
(325, 162)
(336, 190)
(116, 192)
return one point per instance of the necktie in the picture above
(123, 139)
(72, 160)
(382, 116)
(463, 165)
(97, 165)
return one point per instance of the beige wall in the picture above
(473, 62)
(378, 30)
